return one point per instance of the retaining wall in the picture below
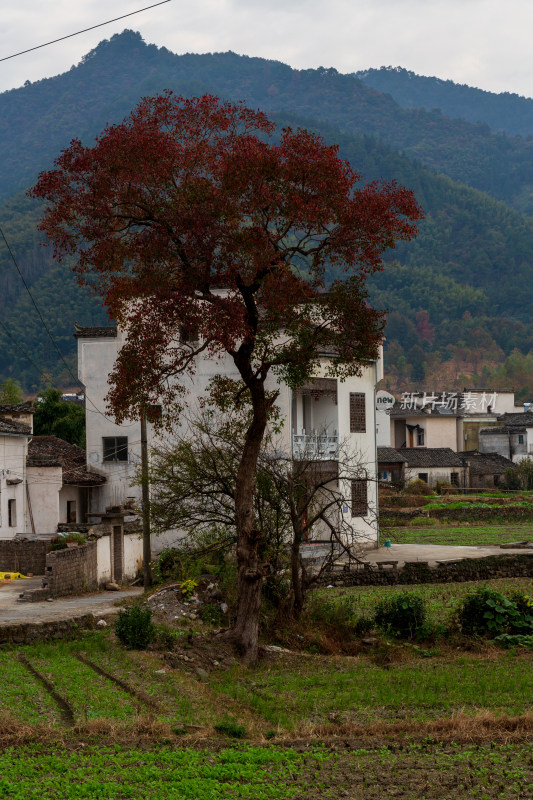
(73, 570)
(27, 633)
(468, 569)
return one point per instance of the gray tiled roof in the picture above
(396, 411)
(100, 332)
(430, 457)
(50, 451)
(14, 428)
(486, 463)
(507, 429)
(524, 419)
(388, 455)
(17, 408)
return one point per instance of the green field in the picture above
(453, 534)
(301, 772)
(89, 720)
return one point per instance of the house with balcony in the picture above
(324, 419)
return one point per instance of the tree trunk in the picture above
(245, 631)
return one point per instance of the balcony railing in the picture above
(315, 446)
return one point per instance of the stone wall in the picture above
(473, 513)
(467, 569)
(24, 555)
(30, 632)
(72, 571)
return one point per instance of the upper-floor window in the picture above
(359, 498)
(420, 440)
(115, 448)
(357, 412)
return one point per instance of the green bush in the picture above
(134, 627)
(402, 614)
(231, 727)
(486, 612)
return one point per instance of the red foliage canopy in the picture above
(190, 216)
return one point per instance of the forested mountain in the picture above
(505, 112)
(460, 293)
(37, 120)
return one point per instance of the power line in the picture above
(92, 28)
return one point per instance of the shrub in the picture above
(445, 487)
(418, 487)
(134, 627)
(486, 612)
(403, 614)
(231, 727)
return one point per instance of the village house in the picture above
(435, 465)
(511, 437)
(321, 416)
(44, 481)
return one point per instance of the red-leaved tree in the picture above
(190, 216)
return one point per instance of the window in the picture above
(454, 479)
(12, 513)
(189, 336)
(420, 437)
(359, 498)
(115, 448)
(423, 476)
(520, 438)
(357, 412)
(71, 511)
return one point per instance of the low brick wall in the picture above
(23, 555)
(72, 571)
(468, 569)
(28, 633)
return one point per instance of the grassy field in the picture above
(90, 720)
(441, 599)
(458, 534)
(301, 772)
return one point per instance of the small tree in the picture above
(188, 218)
(11, 392)
(193, 484)
(55, 417)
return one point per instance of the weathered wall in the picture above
(73, 570)
(468, 569)
(133, 555)
(25, 556)
(44, 484)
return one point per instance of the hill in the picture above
(461, 292)
(505, 112)
(39, 119)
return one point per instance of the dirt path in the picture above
(12, 612)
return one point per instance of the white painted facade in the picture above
(13, 506)
(314, 424)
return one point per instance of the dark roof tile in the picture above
(49, 451)
(431, 457)
(388, 455)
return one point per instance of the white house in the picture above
(44, 481)
(319, 416)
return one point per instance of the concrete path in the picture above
(13, 612)
(436, 552)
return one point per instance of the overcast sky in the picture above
(484, 43)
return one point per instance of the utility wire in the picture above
(70, 35)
